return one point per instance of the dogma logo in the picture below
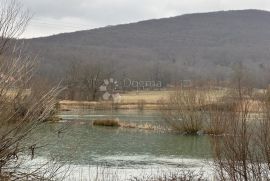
(109, 88)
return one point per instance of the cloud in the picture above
(86, 14)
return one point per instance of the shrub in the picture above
(112, 123)
(183, 112)
(242, 153)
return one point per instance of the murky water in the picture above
(118, 148)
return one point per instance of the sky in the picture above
(59, 16)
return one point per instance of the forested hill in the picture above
(192, 46)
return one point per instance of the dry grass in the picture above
(124, 124)
(111, 123)
(142, 100)
(181, 175)
(145, 126)
(147, 96)
(106, 105)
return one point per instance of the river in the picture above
(120, 153)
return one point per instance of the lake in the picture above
(121, 153)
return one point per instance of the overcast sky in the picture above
(57, 16)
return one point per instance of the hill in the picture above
(192, 46)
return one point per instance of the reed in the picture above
(110, 123)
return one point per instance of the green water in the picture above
(82, 144)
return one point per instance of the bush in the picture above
(242, 153)
(183, 111)
(112, 123)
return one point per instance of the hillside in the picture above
(193, 46)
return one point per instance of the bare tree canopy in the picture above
(23, 107)
(13, 21)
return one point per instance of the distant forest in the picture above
(201, 47)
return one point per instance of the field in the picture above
(149, 100)
(130, 100)
(151, 97)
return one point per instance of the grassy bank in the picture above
(150, 100)
(142, 100)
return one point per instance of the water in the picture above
(131, 150)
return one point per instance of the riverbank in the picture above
(142, 100)
(107, 105)
(151, 100)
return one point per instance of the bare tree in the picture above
(93, 77)
(72, 80)
(22, 109)
(242, 153)
(83, 80)
(13, 21)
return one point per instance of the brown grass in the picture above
(145, 126)
(148, 96)
(142, 100)
(123, 124)
(152, 100)
(111, 123)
